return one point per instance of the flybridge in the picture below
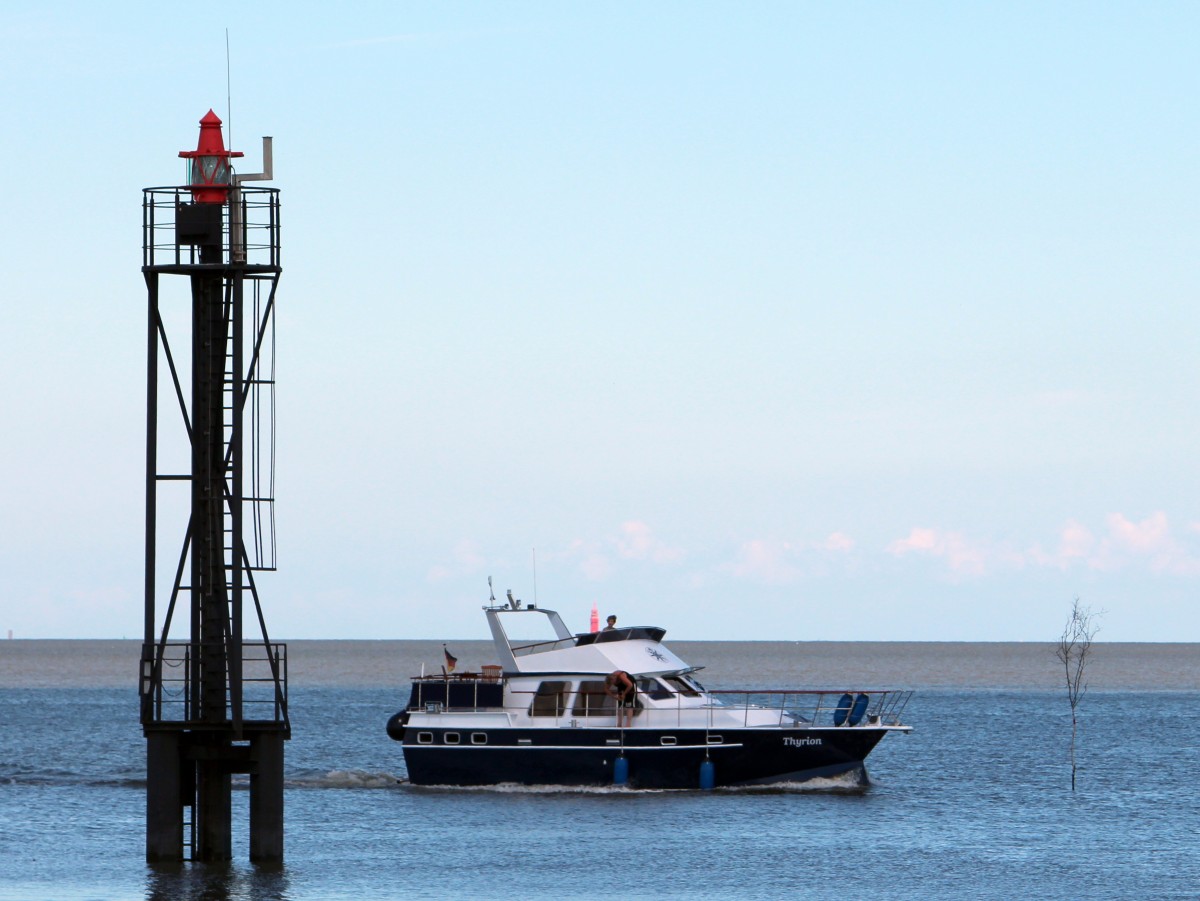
(530, 618)
(635, 649)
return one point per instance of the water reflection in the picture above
(216, 882)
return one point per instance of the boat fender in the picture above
(708, 775)
(845, 702)
(620, 771)
(859, 709)
(395, 726)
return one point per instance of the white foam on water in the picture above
(515, 788)
(852, 781)
(352, 779)
(843, 784)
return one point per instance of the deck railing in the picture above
(881, 707)
(797, 708)
(537, 647)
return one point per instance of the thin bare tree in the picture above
(1074, 650)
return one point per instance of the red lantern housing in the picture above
(209, 175)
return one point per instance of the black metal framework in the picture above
(213, 704)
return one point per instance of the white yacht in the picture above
(542, 716)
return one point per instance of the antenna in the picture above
(491, 590)
(228, 92)
(535, 577)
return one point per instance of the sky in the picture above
(777, 321)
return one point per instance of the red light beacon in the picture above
(209, 176)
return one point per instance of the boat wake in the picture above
(852, 783)
(513, 788)
(344, 779)
(67, 777)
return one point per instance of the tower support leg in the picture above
(214, 816)
(266, 798)
(164, 805)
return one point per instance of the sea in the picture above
(975, 802)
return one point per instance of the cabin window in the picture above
(479, 738)
(667, 740)
(716, 740)
(450, 738)
(593, 700)
(424, 738)
(681, 685)
(657, 690)
(550, 699)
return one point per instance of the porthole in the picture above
(450, 738)
(424, 738)
(668, 739)
(715, 740)
(479, 738)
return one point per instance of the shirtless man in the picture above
(620, 686)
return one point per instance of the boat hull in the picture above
(654, 758)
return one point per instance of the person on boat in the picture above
(621, 686)
(612, 623)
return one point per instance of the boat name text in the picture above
(801, 742)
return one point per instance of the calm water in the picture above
(976, 803)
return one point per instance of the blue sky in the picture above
(755, 321)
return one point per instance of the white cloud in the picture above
(637, 542)
(1077, 541)
(1123, 544)
(1150, 536)
(1120, 543)
(587, 555)
(764, 561)
(918, 540)
(962, 556)
(634, 540)
(784, 562)
(838, 541)
(1076, 545)
(594, 565)
(465, 560)
(1149, 541)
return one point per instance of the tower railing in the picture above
(254, 243)
(264, 680)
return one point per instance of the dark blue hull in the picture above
(654, 758)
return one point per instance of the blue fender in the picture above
(620, 771)
(845, 702)
(859, 710)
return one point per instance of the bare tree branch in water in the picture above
(1074, 651)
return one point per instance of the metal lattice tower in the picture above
(212, 702)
